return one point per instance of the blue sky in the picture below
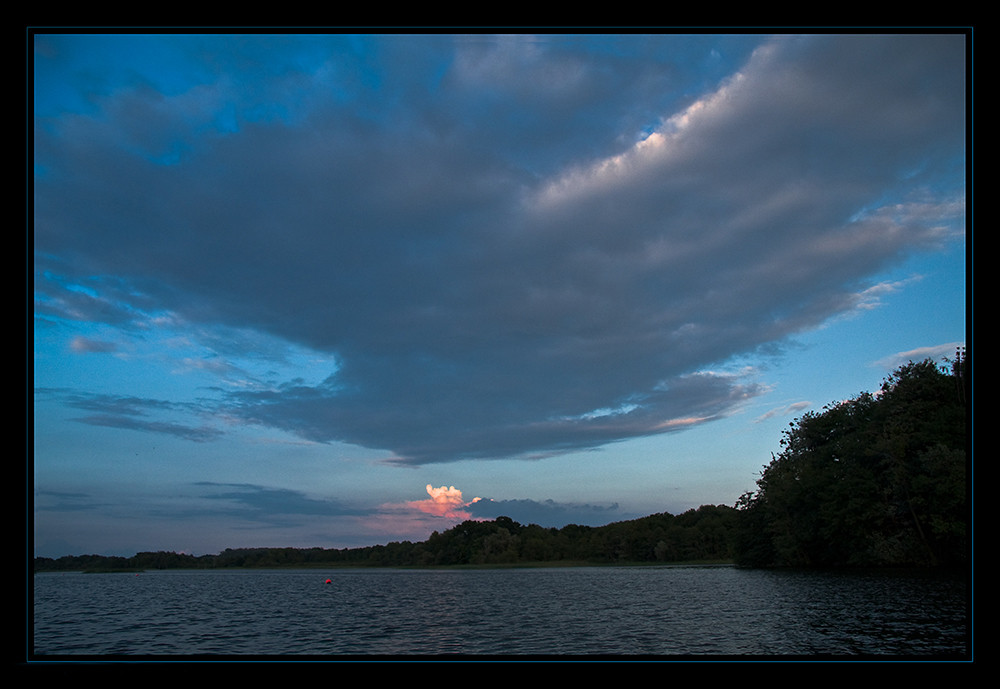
(337, 290)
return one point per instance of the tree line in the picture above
(877, 480)
(702, 534)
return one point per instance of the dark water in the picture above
(591, 611)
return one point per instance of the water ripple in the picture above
(656, 611)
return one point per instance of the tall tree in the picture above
(874, 480)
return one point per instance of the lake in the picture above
(636, 612)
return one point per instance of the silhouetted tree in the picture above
(875, 480)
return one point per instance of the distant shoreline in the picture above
(319, 566)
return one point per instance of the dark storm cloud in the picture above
(449, 416)
(497, 271)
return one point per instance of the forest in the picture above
(878, 480)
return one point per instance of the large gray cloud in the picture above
(497, 271)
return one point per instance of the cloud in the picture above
(270, 505)
(443, 502)
(871, 298)
(497, 270)
(64, 501)
(448, 503)
(133, 413)
(85, 345)
(787, 410)
(936, 353)
(548, 513)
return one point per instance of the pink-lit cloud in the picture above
(444, 502)
(416, 519)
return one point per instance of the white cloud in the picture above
(936, 353)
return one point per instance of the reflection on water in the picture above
(633, 611)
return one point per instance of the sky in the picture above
(339, 290)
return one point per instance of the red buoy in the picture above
(328, 581)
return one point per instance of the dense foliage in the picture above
(878, 480)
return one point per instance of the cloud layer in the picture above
(510, 248)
